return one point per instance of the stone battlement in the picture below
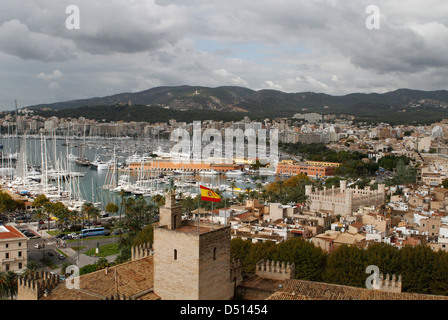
(35, 285)
(275, 270)
(344, 200)
(388, 283)
(141, 251)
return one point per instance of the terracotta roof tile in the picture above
(10, 232)
(128, 279)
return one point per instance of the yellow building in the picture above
(323, 164)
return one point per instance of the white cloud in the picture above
(55, 75)
(268, 84)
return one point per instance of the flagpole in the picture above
(212, 216)
(199, 203)
(225, 209)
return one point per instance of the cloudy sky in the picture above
(289, 45)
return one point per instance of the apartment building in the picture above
(13, 249)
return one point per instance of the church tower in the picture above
(191, 259)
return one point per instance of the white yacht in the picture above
(235, 173)
(208, 172)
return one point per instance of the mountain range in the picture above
(272, 103)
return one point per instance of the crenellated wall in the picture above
(344, 200)
(388, 283)
(36, 285)
(275, 270)
(141, 251)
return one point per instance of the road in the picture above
(49, 246)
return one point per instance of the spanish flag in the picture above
(209, 195)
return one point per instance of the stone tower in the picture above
(191, 260)
(171, 213)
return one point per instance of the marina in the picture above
(75, 170)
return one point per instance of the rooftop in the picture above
(192, 227)
(131, 279)
(9, 232)
(300, 290)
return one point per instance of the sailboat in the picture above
(82, 160)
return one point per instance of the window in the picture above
(6, 245)
(7, 255)
(20, 265)
(20, 244)
(20, 253)
(214, 253)
(7, 267)
(175, 254)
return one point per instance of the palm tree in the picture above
(233, 186)
(102, 263)
(8, 284)
(30, 268)
(61, 212)
(95, 213)
(188, 204)
(65, 265)
(39, 214)
(74, 216)
(3, 285)
(259, 185)
(87, 208)
(248, 190)
(48, 208)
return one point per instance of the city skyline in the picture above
(291, 46)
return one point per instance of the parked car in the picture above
(61, 257)
(28, 233)
(38, 246)
(97, 223)
(51, 253)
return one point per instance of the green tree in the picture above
(417, 267)
(102, 263)
(439, 283)
(90, 211)
(309, 260)
(7, 204)
(445, 183)
(145, 236)
(233, 186)
(138, 212)
(188, 205)
(8, 284)
(112, 208)
(30, 267)
(64, 267)
(333, 181)
(40, 201)
(346, 265)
